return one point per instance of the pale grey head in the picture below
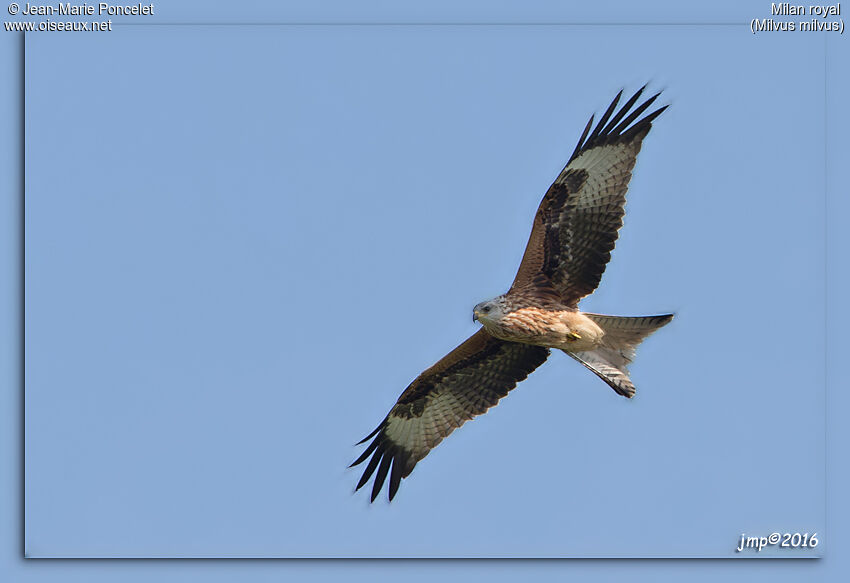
(491, 310)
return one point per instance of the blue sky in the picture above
(243, 242)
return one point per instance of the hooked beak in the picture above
(475, 315)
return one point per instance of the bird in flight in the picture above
(571, 240)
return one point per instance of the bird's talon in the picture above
(573, 336)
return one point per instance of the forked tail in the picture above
(622, 335)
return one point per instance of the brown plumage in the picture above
(571, 240)
(576, 225)
(441, 400)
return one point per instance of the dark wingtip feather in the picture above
(395, 477)
(365, 454)
(371, 435)
(370, 469)
(623, 110)
(649, 118)
(605, 116)
(617, 125)
(381, 475)
(383, 454)
(644, 124)
(634, 115)
(582, 138)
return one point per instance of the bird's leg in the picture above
(573, 336)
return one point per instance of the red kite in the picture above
(574, 232)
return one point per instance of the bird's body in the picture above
(568, 330)
(574, 231)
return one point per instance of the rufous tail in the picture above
(622, 336)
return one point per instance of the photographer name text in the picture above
(86, 9)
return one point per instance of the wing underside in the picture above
(576, 226)
(465, 383)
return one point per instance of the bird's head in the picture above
(491, 310)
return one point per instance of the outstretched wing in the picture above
(576, 225)
(465, 383)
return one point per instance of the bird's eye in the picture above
(485, 309)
